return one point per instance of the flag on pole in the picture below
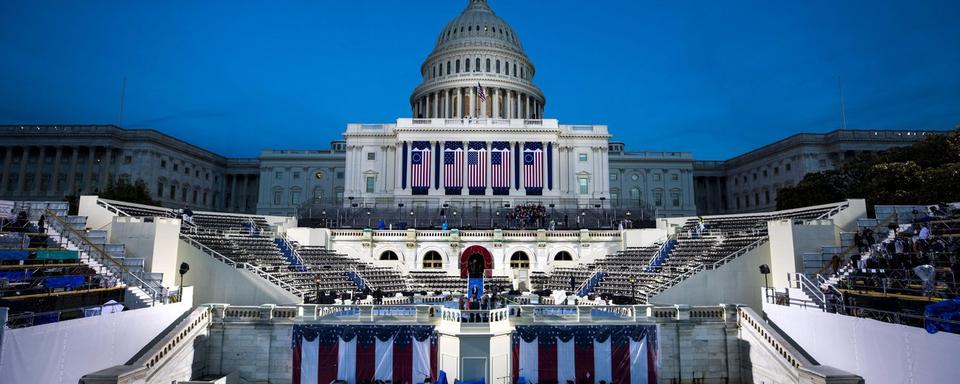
(480, 94)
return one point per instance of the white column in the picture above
(473, 102)
(509, 104)
(526, 106)
(458, 105)
(496, 103)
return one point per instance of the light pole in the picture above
(633, 289)
(414, 219)
(368, 218)
(628, 219)
(324, 220)
(316, 285)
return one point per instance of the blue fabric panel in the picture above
(68, 281)
(14, 254)
(16, 275)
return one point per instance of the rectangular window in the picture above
(767, 193)
(371, 155)
(675, 177)
(176, 167)
(675, 196)
(186, 171)
(583, 157)
(127, 159)
(296, 175)
(279, 175)
(658, 198)
(371, 183)
(776, 171)
(613, 177)
(159, 190)
(764, 173)
(656, 177)
(823, 163)
(173, 192)
(787, 167)
(277, 196)
(195, 196)
(339, 196)
(340, 175)
(615, 197)
(295, 197)
(584, 186)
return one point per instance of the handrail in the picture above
(111, 208)
(656, 253)
(843, 255)
(356, 272)
(739, 252)
(694, 270)
(250, 267)
(156, 294)
(800, 281)
(834, 211)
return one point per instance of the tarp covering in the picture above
(6, 254)
(946, 310)
(16, 275)
(67, 281)
(57, 255)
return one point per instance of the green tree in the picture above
(132, 193)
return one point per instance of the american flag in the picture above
(420, 165)
(477, 165)
(453, 165)
(480, 94)
(533, 165)
(500, 165)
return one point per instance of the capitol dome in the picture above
(477, 49)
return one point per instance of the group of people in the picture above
(523, 216)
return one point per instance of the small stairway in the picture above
(136, 266)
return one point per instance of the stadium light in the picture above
(184, 268)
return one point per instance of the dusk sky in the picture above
(715, 78)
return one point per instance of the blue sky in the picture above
(715, 78)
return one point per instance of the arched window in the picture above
(432, 260)
(389, 256)
(563, 256)
(506, 68)
(477, 67)
(488, 65)
(467, 61)
(514, 69)
(498, 66)
(519, 260)
(448, 67)
(434, 72)
(458, 65)
(441, 68)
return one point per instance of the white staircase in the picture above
(108, 260)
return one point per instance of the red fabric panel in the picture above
(583, 358)
(435, 370)
(296, 363)
(547, 362)
(651, 362)
(327, 366)
(366, 364)
(621, 361)
(402, 362)
(515, 353)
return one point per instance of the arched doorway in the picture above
(474, 260)
(519, 260)
(563, 256)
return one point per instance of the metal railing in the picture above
(701, 267)
(801, 282)
(128, 277)
(244, 265)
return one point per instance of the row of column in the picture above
(464, 102)
(86, 169)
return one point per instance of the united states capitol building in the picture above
(478, 138)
